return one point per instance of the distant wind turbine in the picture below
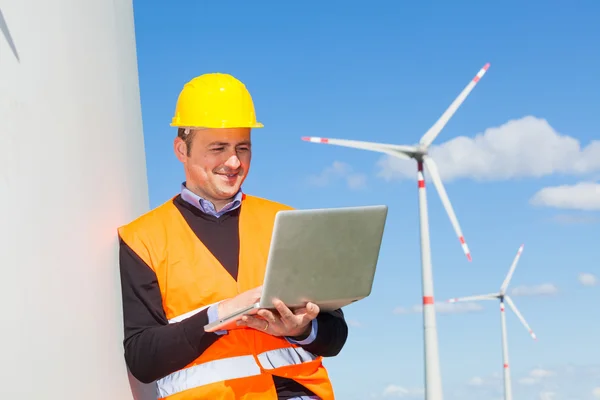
(419, 152)
(503, 297)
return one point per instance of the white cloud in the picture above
(539, 373)
(568, 382)
(525, 147)
(493, 383)
(581, 196)
(528, 381)
(339, 170)
(475, 381)
(596, 392)
(545, 289)
(399, 391)
(547, 395)
(536, 376)
(354, 323)
(587, 279)
(442, 308)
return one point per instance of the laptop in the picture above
(327, 256)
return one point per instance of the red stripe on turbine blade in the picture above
(469, 257)
(476, 79)
(427, 299)
(505, 365)
(324, 140)
(533, 335)
(462, 240)
(421, 184)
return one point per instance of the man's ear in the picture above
(180, 149)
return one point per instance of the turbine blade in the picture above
(391, 149)
(516, 311)
(490, 296)
(358, 144)
(434, 131)
(511, 270)
(435, 177)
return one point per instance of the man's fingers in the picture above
(285, 313)
(283, 321)
(312, 310)
(254, 322)
(268, 315)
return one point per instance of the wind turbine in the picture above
(503, 297)
(419, 152)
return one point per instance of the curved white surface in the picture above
(72, 168)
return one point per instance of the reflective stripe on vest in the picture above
(229, 368)
(181, 317)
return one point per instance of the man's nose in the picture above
(233, 162)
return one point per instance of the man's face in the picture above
(218, 162)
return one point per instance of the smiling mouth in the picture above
(229, 176)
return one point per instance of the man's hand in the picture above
(242, 300)
(283, 322)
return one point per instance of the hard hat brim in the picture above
(256, 125)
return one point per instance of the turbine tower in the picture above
(502, 296)
(419, 152)
(72, 169)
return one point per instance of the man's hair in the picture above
(187, 135)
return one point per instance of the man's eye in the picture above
(218, 148)
(243, 149)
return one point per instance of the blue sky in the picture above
(385, 73)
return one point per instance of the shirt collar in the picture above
(206, 206)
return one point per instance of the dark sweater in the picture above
(154, 348)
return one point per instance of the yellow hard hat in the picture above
(215, 100)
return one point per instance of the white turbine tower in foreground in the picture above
(72, 169)
(503, 297)
(419, 152)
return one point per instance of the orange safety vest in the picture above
(240, 363)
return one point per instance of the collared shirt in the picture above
(208, 207)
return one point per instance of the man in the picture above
(202, 255)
